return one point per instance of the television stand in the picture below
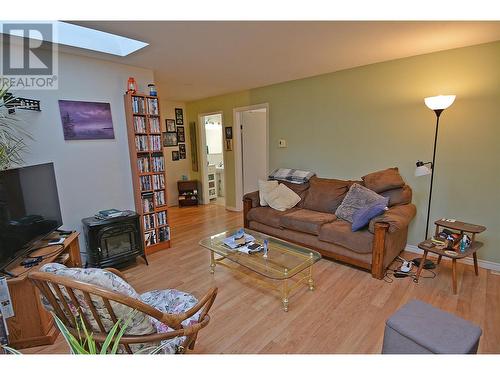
(32, 325)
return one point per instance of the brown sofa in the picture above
(312, 222)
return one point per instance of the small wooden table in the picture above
(463, 228)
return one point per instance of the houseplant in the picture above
(12, 135)
(84, 343)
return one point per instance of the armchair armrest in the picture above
(253, 197)
(398, 217)
(250, 200)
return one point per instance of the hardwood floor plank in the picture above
(346, 312)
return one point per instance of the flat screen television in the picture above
(29, 208)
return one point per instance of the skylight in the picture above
(91, 39)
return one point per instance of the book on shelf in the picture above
(146, 183)
(164, 234)
(141, 143)
(139, 124)
(153, 106)
(158, 181)
(150, 238)
(155, 142)
(147, 202)
(158, 163)
(159, 197)
(143, 164)
(138, 105)
(161, 218)
(154, 125)
(149, 221)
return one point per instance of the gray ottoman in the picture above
(419, 328)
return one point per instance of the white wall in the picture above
(91, 175)
(174, 169)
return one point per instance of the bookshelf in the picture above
(148, 169)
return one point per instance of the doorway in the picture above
(251, 131)
(212, 158)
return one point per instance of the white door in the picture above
(254, 148)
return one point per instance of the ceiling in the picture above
(199, 59)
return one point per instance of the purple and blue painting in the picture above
(86, 120)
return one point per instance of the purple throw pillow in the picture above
(362, 216)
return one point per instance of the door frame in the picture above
(202, 151)
(238, 149)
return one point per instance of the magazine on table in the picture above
(242, 242)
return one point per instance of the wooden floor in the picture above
(345, 314)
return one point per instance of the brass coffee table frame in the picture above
(286, 283)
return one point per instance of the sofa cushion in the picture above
(267, 215)
(362, 217)
(325, 195)
(358, 197)
(340, 233)
(383, 180)
(282, 198)
(306, 221)
(265, 187)
(398, 196)
(299, 189)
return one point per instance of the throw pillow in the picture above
(383, 180)
(362, 217)
(357, 197)
(282, 198)
(264, 188)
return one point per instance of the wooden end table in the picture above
(463, 228)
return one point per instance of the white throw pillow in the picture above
(282, 198)
(264, 188)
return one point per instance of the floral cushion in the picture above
(171, 301)
(140, 324)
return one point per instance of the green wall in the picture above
(352, 122)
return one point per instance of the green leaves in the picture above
(12, 136)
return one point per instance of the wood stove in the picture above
(113, 242)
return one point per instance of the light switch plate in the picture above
(282, 143)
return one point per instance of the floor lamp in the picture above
(438, 104)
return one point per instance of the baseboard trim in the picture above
(229, 208)
(481, 263)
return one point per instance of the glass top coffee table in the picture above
(286, 267)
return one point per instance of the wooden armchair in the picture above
(102, 308)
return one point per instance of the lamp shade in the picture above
(422, 170)
(439, 102)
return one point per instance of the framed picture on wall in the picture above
(169, 139)
(182, 147)
(86, 120)
(229, 132)
(170, 125)
(175, 155)
(180, 134)
(229, 144)
(179, 117)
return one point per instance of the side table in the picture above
(463, 228)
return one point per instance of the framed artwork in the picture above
(170, 125)
(180, 134)
(182, 151)
(229, 132)
(175, 155)
(229, 144)
(169, 139)
(179, 117)
(194, 146)
(86, 120)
